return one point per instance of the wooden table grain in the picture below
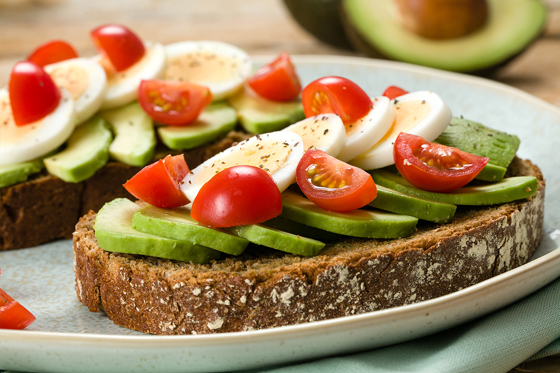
(257, 26)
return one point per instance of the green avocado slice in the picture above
(357, 223)
(216, 120)
(374, 28)
(179, 225)
(506, 190)
(279, 240)
(16, 173)
(400, 203)
(114, 232)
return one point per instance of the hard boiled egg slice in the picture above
(364, 133)
(122, 86)
(278, 153)
(420, 113)
(24, 143)
(219, 66)
(86, 81)
(324, 132)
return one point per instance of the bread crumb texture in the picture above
(265, 289)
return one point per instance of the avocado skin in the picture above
(321, 18)
(362, 45)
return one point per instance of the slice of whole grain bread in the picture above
(264, 288)
(52, 207)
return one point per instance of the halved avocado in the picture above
(375, 28)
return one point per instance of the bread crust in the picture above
(265, 290)
(52, 207)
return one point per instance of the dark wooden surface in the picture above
(258, 26)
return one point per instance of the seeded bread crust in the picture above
(265, 289)
(52, 207)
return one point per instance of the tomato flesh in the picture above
(277, 81)
(434, 167)
(119, 44)
(333, 94)
(52, 52)
(173, 103)
(393, 92)
(159, 183)
(332, 184)
(33, 93)
(238, 195)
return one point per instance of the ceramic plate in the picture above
(68, 338)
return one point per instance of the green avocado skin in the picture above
(179, 225)
(400, 203)
(506, 190)
(357, 223)
(279, 240)
(475, 138)
(114, 232)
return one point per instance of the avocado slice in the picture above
(16, 173)
(86, 152)
(296, 228)
(216, 120)
(475, 138)
(373, 28)
(400, 203)
(491, 172)
(357, 223)
(506, 190)
(179, 225)
(258, 115)
(279, 240)
(114, 232)
(135, 138)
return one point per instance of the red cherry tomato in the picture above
(52, 52)
(393, 92)
(120, 45)
(277, 81)
(434, 167)
(158, 183)
(333, 94)
(173, 103)
(12, 314)
(332, 184)
(238, 195)
(33, 94)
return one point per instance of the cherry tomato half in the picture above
(171, 102)
(277, 81)
(393, 92)
(33, 94)
(332, 184)
(158, 183)
(12, 314)
(333, 94)
(434, 167)
(120, 45)
(238, 195)
(52, 52)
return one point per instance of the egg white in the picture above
(90, 100)
(232, 70)
(280, 151)
(366, 132)
(25, 143)
(324, 132)
(429, 127)
(122, 87)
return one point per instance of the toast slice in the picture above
(264, 289)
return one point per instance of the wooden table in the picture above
(257, 26)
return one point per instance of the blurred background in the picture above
(258, 26)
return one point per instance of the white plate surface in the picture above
(68, 338)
